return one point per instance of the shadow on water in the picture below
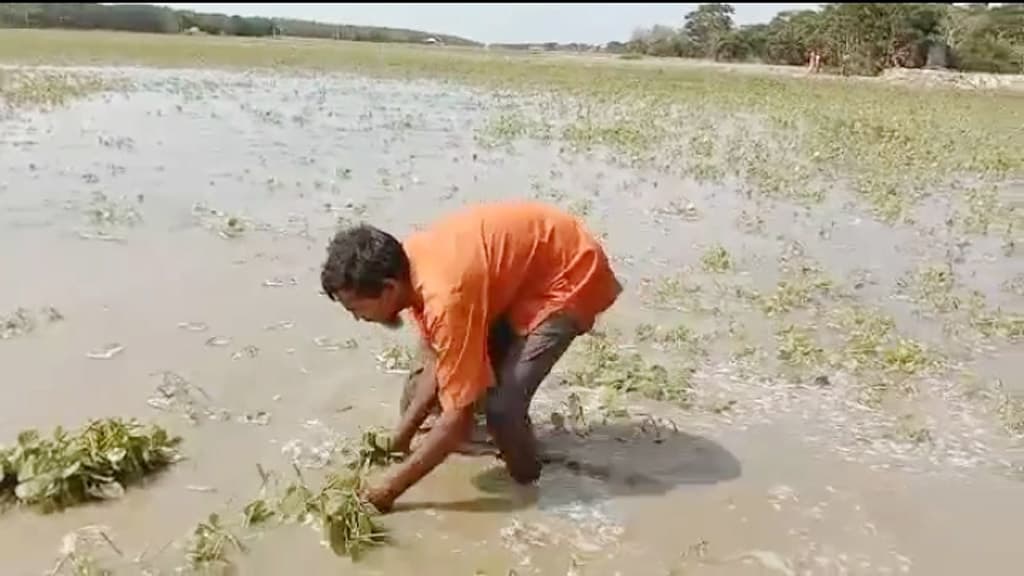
(612, 460)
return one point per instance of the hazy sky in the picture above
(590, 23)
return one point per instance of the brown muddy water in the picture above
(115, 211)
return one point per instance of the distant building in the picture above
(432, 41)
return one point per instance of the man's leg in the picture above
(522, 367)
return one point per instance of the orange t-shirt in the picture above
(521, 261)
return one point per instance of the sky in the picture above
(501, 23)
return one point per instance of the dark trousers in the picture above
(520, 364)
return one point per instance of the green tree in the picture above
(792, 35)
(708, 27)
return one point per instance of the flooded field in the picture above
(814, 369)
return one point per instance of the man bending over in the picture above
(498, 292)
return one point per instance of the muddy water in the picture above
(113, 211)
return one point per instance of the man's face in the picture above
(382, 309)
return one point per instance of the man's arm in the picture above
(423, 399)
(451, 429)
(461, 373)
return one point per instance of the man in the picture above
(498, 292)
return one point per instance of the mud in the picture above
(178, 227)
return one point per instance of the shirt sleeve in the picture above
(459, 332)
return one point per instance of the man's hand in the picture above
(380, 497)
(451, 429)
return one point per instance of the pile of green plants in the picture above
(95, 463)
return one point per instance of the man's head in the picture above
(367, 270)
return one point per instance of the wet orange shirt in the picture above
(521, 261)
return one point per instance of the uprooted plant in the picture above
(335, 507)
(345, 519)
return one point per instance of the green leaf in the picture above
(71, 470)
(256, 512)
(116, 455)
(108, 491)
(31, 490)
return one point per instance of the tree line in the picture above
(852, 38)
(162, 20)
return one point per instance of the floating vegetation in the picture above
(328, 345)
(106, 352)
(678, 338)
(250, 352)
(209, 545)
(906, 357)
(193, 326)
(982, 208)
(335, 508)
(19, 323)
(95, 463)
(611, 405)
(316, 451)
(257, 513)
(673, 292)
(910, 429)
(346, 520)
(750, 223)
(716, 259)
(89, 551)
(176, 394)
(105, 212)
(581, 207)
(685, 210)
(604, 364)
(573, 416)
(277, 282)
(395, 359)
(866, 333)
(991, 323)
(1011, 411)
(933, 284)
(797, 347)
(227, 226)
(800, 289)
(217, 341)
(22, 321)
(234, 227)
(48, 89)
(874, 350)
(374, 450)
(258, 418)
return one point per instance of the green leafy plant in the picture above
(717, 259)
(209, 545)
(346, 520)
(604, 364)
(374, 450)
(95, 463)
(798, 348)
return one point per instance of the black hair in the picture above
(360, 259)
